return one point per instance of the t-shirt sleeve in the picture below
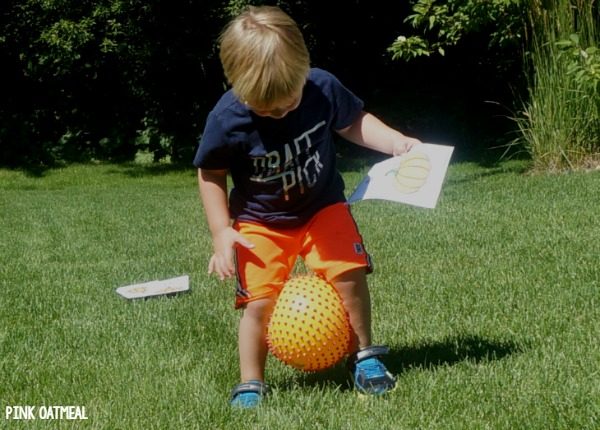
(214, 152)
(347, 106)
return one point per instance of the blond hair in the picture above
(264, 56)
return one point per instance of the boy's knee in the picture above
(351, 279)
(260, 309)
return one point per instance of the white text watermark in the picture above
(29, 412)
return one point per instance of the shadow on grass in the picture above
(448, 352)
(423, 357)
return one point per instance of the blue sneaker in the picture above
(248, 395)
(369, 374)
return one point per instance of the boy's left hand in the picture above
(403, 145)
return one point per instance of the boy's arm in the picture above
(370, 132)
(213, 191)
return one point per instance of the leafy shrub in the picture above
(446, 23)
(560, 124)
(82, 77)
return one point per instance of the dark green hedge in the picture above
(103, 79)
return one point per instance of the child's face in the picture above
(280, 109)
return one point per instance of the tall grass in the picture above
(561, 122)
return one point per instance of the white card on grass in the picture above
(155, 288)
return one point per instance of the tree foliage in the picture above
(104, 79)
(101, 79)
(445, 23)
(558, 41)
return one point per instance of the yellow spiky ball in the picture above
(309, 327)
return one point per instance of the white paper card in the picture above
(414, 178)
(155, 288)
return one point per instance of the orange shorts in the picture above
(329, 244)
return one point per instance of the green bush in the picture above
(85, 80)
(104, 79)
(560, 124)
(445, 23)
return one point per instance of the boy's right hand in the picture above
(221, 261)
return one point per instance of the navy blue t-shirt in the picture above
(283, 170)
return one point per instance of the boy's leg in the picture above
(261, 273)
(252, 339)
(352, 287)
(368, 372)
(333, 248)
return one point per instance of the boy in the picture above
(273, 132)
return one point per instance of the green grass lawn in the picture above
(490, 304)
